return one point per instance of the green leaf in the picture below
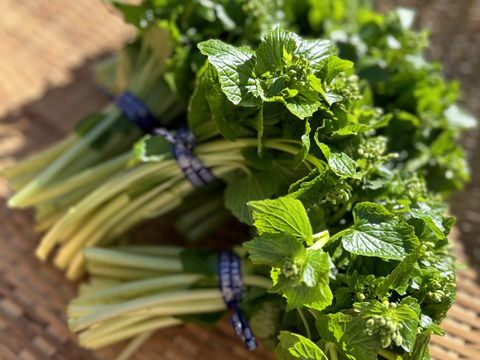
(357, 344)
(263, 162)
(317, 298)
(316, 268)
(304, 104)
(432, 216)
(332, 98)
(134, 14)
(242, 190)
(281, 216)
(302, 154)
(198, 108)
(406, 313)
(199, 262)
(152, 148)
(304, 281)
(338, 161)
(270, 52)
(399, 278)
(349, 130)
(300, 275)
(272, 249)
(217, 102)
(316, 51)
(236, 71)
(332, 67)
(379, 233)
(293, 346)
(349, 335)
(429, 327)
(311, 187)
(316, 84)
(331, 327)
(420, 350)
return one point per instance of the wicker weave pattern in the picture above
(41, 42)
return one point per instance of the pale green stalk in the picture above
(97, 229)
(187, 308)
(104, 192)
(39, 161)
(118, 143)
(109, 326)
(257, 280)
(136, 206)
(75, 244)
(167, 201)
(149, 325)
(181, 308)
(101, 281)
(115, 258)
(134, 345)
(83, 178)
(141, 303)
(154, 250)
(388, 354)
(106, 231)
(54, 168)
(119, 272)
(133, 288)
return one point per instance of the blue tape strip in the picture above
(231, 286)
(136, 111)
(192, 167)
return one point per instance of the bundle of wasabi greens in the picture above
(320, 125)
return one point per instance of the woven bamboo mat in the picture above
(46, 85)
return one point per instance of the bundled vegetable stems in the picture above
(133, 290)
(58, 177)
(133, 196)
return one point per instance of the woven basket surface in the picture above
(46, 85)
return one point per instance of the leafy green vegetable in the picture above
(294, 346)
(336, 147)
(239, 192)
(378, 233)
(348, 336)
(282, 216)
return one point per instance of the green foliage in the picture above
(376, 232)
(293, 346)
(152, 148)
(282, 216)
(256, 186)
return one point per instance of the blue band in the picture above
(136, 111)
(231, 286)
(183, 144)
